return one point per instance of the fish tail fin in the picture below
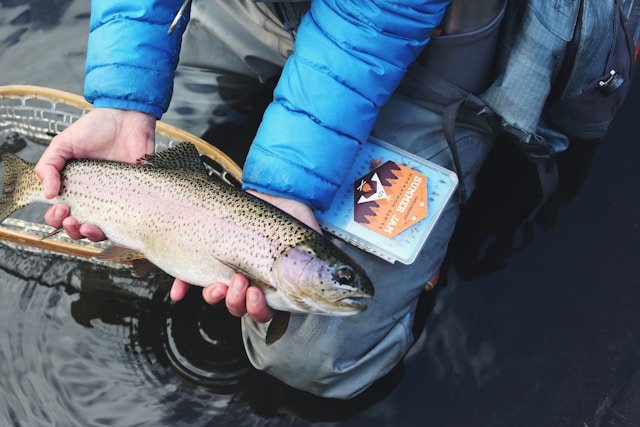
(21, 185)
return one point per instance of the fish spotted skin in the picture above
(200, 229)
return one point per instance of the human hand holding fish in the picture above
(102, 134)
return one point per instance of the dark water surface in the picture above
(535, 326)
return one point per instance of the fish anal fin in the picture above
(119, 255)
(142, 267)
(181, 156)
(277, 327)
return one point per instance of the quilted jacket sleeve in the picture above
(349, 57)
(131, 58)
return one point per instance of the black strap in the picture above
(548, 178)
(544, 159)
(436, 88)
(432, 87)
(449, 119)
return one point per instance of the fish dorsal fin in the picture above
(180, 156)
(119, 255)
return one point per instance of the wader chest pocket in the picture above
(596, 73)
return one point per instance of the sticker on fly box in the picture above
(390, 199)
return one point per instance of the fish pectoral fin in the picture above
(277, 327)
(265, 287)
(119, 255)
(53, 233)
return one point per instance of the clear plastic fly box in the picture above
(390, 203)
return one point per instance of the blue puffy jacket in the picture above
(348, 58)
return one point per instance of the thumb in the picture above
(49, 175)
(49, 166)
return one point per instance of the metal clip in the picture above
(175, 21)
(607, 82)
(612, 83)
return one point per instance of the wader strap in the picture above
(548, 179)
(435, 88)
(545, 161)
(432, 87)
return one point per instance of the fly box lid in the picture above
(390, 203)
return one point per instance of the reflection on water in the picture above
(219, 107)
(534, 325)
(83, 345)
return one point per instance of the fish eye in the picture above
(344, 275)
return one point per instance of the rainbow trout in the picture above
(167, 209)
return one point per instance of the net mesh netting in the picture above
(36, 118)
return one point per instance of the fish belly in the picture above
(196, 236)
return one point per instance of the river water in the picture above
(534, 326)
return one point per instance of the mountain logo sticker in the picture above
(390, 199)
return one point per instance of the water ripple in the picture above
(85, 345)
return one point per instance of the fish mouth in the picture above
(353, 303)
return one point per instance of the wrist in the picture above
(129, 135)
(128, 105)
(137, 128)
